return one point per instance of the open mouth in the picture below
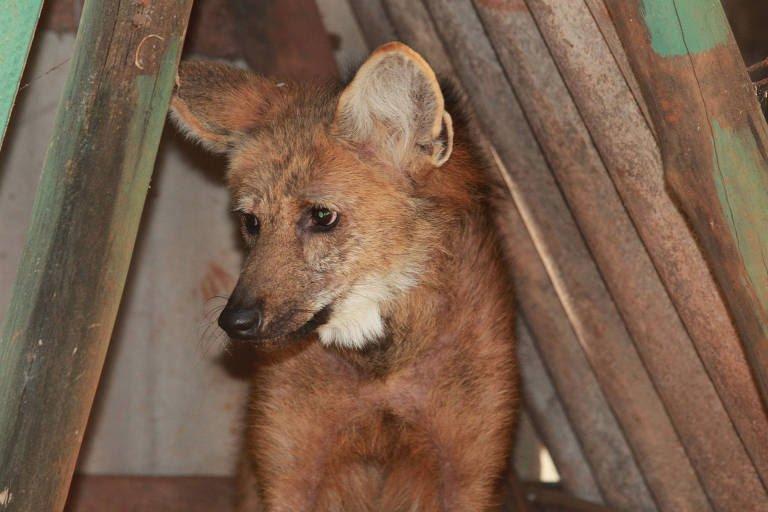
(318, 319)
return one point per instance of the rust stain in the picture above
(141, 20)
(670, 110)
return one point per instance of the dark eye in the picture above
(324, 218)
(250, 224)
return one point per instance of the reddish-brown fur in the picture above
(422, 419)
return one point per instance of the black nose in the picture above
(241, 323)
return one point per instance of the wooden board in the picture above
(82, 234)
(170, 399)
(151, 494)
(166, 404)
(377, 29)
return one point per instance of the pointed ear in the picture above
(216, 104)
(394, 105)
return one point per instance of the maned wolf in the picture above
(374, 282)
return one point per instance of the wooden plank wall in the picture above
(554, 93)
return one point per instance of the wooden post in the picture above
(17, 28)
(714, 144)
(83, 229)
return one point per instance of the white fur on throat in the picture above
(356, 319)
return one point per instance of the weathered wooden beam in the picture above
(629, 152)
(714, 144)
(285, 39)
(83, 229)
(598, 324)
(17, 29)
(666, 350)
(551, 421)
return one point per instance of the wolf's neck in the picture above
(464, 290)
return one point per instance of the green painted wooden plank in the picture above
(703, 24)
(18, 20)
(714, 143)
(81, 238)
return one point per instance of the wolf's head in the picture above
(327, 185)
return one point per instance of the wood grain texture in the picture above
(81, 238)
(667, 352)
(17, 29)
(629, 152)
(415, 28)
(713, 143)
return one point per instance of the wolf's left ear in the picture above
(395, 106)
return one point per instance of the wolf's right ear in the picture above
(216, 104)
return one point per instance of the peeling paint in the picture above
(743, 196)
(679, 27)
(17, 28)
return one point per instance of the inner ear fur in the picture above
(395, 105)
(215, 103)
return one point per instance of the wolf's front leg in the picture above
(473, 449)
(337, 486)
